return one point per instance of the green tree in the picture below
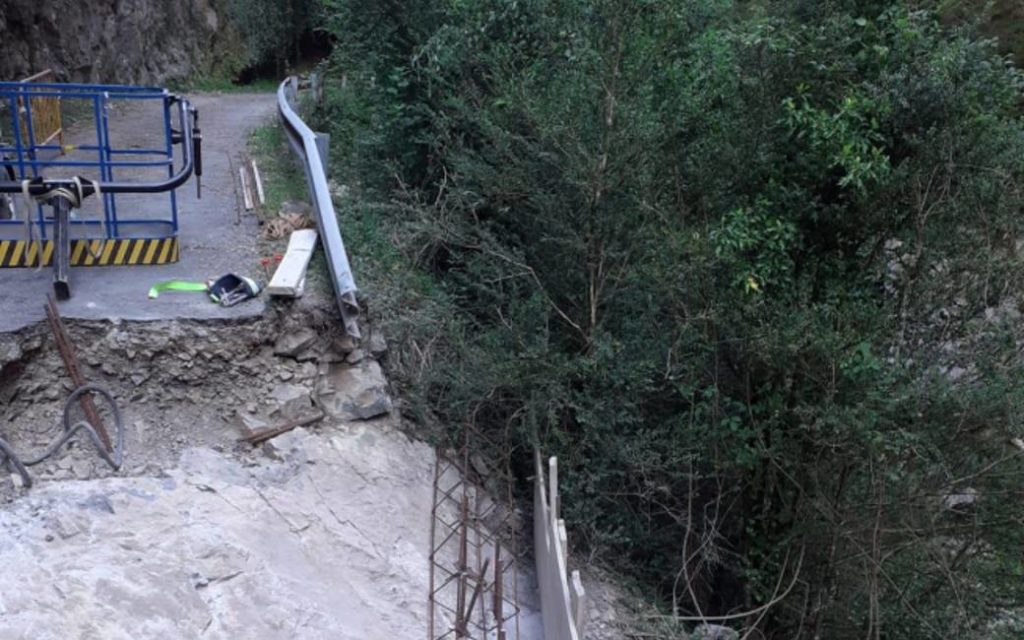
(273, 29)
(748, 268)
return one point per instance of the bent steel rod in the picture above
(67, 353)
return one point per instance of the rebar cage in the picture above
(35, 145)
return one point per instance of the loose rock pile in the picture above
(187, 384)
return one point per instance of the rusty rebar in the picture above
(461, 620)
(67, 353)
(262, 435)
(499, 576)
(472, 604)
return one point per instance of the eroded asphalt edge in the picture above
(213, 240)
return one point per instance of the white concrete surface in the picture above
(325, 538)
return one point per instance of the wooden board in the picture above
(290, 276)
(260, 197)
(246, 195)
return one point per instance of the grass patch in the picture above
(283, 178)
(224, 84)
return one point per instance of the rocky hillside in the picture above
(122, 41)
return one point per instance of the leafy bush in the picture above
(272, 29)
(748, 270)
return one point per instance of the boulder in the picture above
(355, 392)
(292, 343)
(293, 401)
(377, 346)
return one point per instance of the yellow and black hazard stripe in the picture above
(91, 253)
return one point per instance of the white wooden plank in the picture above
(260, 197)
(578, 599)
(563, 538)
(553, 500)
(290, 277)
(245, 189)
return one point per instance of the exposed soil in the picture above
(319, 533)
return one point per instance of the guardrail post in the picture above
(323, 147)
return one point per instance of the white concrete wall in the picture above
(562, 597)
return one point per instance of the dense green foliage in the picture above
(272, 29)
(750, 269)
(1002, 19)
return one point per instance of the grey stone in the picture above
(292, 400)
(344, 345)
(250, 422)
(378, 346)
(291, 343)
(295, 206)
(257, 545)
(64, 525)
(309, 355)
(355, 392)
(10, 350)
(288, 446)
(355, 357)
(960, 499)
(82, 469)
(307, 371)
(715, 632)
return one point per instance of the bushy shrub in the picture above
(273, 29)
(749, 269)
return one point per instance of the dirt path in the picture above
(213, 242)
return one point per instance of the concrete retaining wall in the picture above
(562, 596)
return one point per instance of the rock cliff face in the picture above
(111, 41)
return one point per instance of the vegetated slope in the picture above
(750, 271)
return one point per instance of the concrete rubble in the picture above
(322, 532)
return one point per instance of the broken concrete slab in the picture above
(355, 392)
(328, 544)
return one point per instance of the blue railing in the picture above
(96, 156)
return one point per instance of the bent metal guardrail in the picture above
(307, 145)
